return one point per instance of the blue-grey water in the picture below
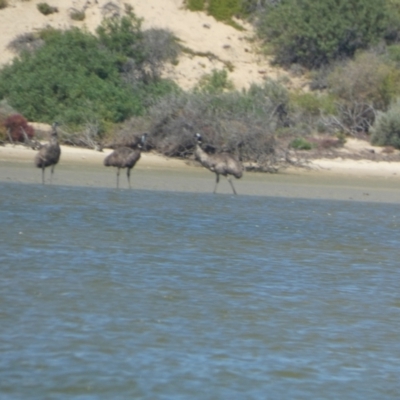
(109, 294)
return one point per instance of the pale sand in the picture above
(328, 179)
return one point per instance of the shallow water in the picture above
(159, 295)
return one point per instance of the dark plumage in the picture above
(125, 157)
(221, 164)
(49, 154)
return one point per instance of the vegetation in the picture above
(301, 144)
(361, 87)
(17, 128)
(244, 123)
(46, 9)
(25, 42)
(111, 81)
(75, 77)
(68, 78)
(5, 111)
(221, 10)
(77, 15)
(196, 5)
(314, 33)
(122, 36)
(386, 131)
(216, 82)
(3, 4)
(224, 10)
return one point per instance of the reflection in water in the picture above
(108, 294)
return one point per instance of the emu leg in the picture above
(233, 188)
(118, 178)
(52, 172)
(216, 183)
(42, 175)
(128, 174)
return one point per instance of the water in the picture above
(163, 295)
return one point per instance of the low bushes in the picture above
(221, 10)
(77, 15)
(74, 77)
(361, 87)
(46, 9)
(314, 33)
(386, 130)
(243, 123)
(301, 144)
(17, 128)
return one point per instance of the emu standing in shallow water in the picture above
(125, 157)
(49, 154)
(221, 164)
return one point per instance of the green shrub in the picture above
(159, 46)
(393, 27)
(254, 7)
(5, 111)
(77, 15)
(313, 104)
(74, 76)
(308, 112)
(394, 53)
(362, 86)
(46, 9)
(223, 10)
(386, 130)
(150, 93)
(216, 82)
(66, 79)
(195, 5)
(122, 36)
(364, 80)
(301, 144)
(3, 4)
(313, 33)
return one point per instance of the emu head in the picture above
(198, 138)
(143, 140)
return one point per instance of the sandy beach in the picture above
(338, 179)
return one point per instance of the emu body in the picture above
(223, 164)
(49, 154)
(125, 157)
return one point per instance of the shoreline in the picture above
(335, 166)
(337, 179)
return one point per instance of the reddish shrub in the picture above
(15, 124)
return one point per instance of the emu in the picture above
(49, 154)
(221, 164)
(125, 157)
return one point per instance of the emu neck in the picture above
(53, 140)
(201, 155)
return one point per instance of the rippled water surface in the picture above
(162, 295)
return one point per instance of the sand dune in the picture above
(196, 30)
